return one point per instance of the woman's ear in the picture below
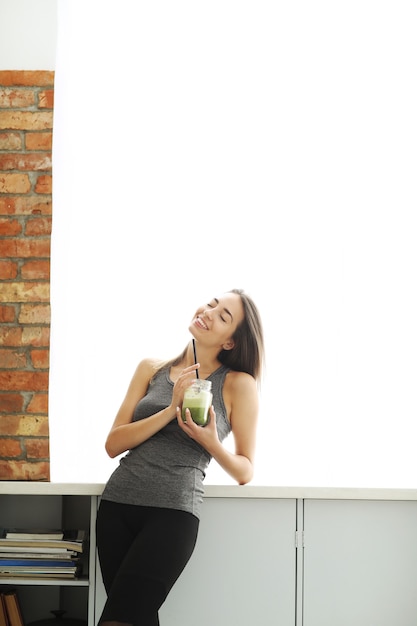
(228, 345)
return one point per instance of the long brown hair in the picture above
(248, 353)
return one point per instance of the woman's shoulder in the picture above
(149, 366)
(238, 381)
(239, 390)
(151, 362)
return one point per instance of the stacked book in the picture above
(41, 553)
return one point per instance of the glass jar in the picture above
(198, 399)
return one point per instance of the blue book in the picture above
(37, 563)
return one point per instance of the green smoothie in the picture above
(198, 400)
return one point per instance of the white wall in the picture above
(340, 301)
(28, 31)
(286, 131)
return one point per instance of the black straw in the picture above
(195, 357)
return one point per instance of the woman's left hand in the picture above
(206, 435)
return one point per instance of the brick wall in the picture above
(26, 116)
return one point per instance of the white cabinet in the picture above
(274, 556)
(243, 569)
(360, 563)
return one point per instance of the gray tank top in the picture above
(167, 470)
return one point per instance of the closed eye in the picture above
(215, 303)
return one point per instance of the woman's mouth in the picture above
(201, 323)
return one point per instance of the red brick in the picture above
(46, 99)
(11, 359)
(24, 425)
(9, 227)
(7, 313)
(26, 120)
(27, 78)
(8, 270)
(9, 425)
(10, 336)
(40, 358)
(38, 226)
(16, 380)
(34, 425)
(23, 470)
(37, 141)
(14, 183)
(24, 248)
(25, 292)
(11, 141)
(38, 404)
(35, 314)
(25, 205)
(29, 161)
(44, 184)
(13, 98)
(37, 448)
(35, 269)
(11, 402)
(10, 447)
(36, 336)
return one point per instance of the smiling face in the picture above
(215, 323)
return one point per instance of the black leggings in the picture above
(142, 551)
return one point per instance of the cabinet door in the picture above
(242, 570)
(360, 563)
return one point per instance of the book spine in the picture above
(14, 612)
(3, 612)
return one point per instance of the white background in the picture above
(263, 145)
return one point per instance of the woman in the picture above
(148, 519)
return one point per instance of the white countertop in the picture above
(221, 491)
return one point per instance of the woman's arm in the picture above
(125, 434)
(242, 397)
